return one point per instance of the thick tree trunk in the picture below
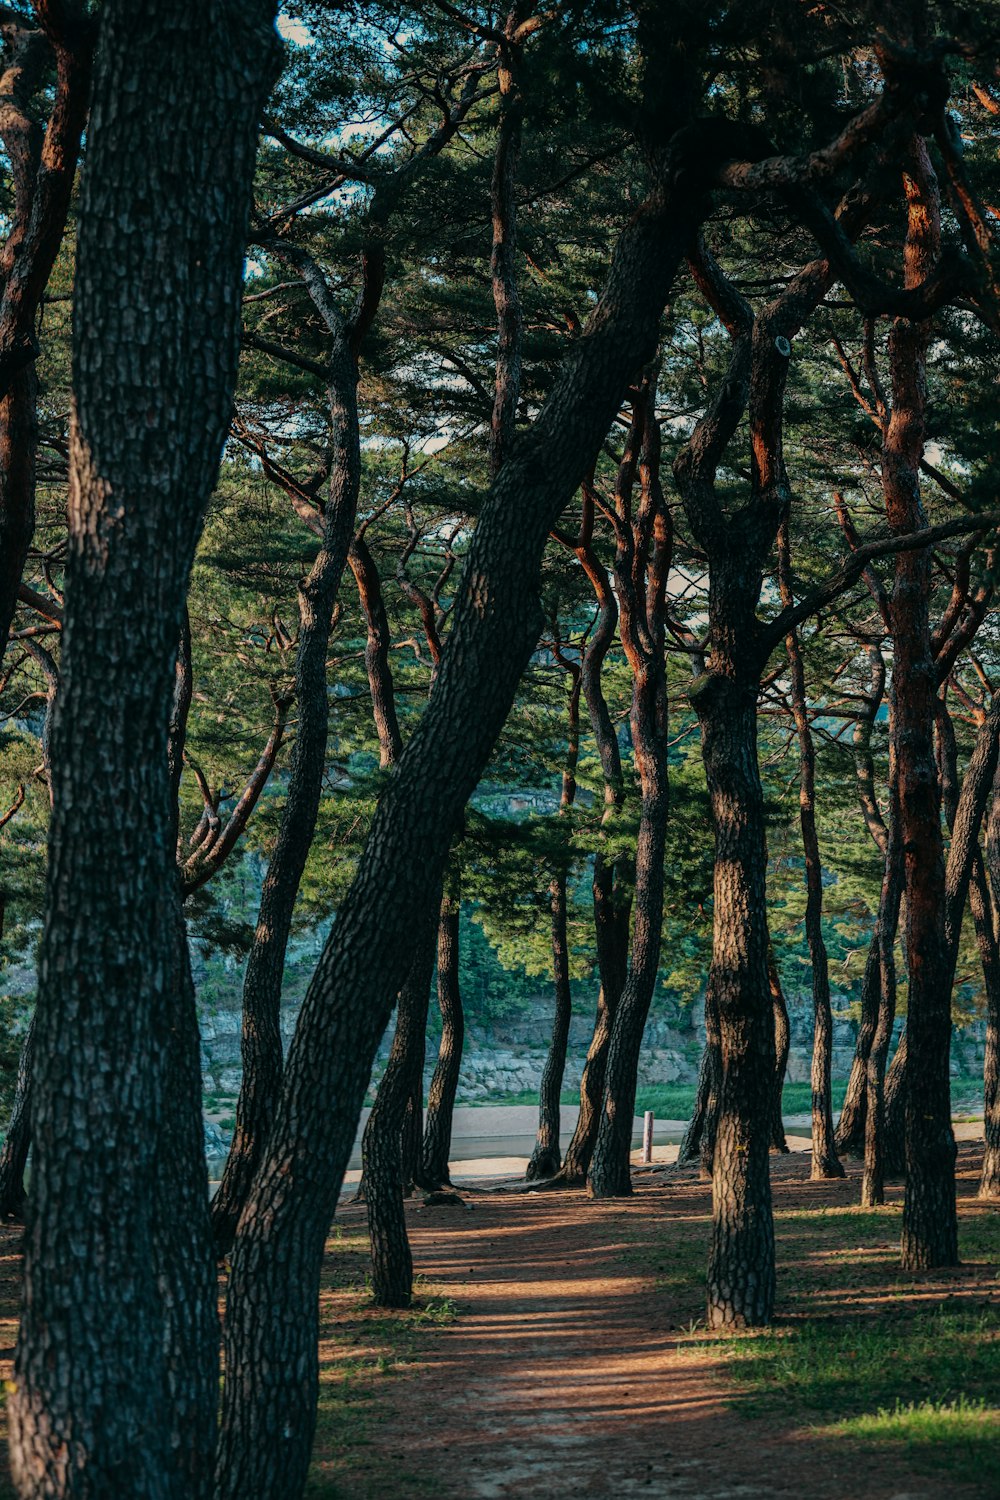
(929, 1219)
(434, 1171)
(271, 1324)
(782, 1037)
(546, 1157)
(97, 1408)
(14, 1156)
(741, 1257)
(381, 1150)
(984, 918)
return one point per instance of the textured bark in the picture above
(271, 1324)
(895, 1111)
(381, 1149)
(611, 883)
(874, 1113)
(444, 1084)
(642, 565)
(503, 254)
(850, 1136)
(698, 1144)
(547, 1156)
(824, 1153)
(929, 1221)
(782, 1037)
(985, 898)
(98, 1408)
(377, 645)
(42, 169)
(612, 918)
(260, 1041)
(14, 1155)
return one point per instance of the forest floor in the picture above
(556, 1349)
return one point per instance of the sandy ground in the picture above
(571, 1370)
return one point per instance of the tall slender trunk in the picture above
(824, 1153)
(98, 1408)
(546, 1156)
(381, 1150)
(612, 895)
(850, 1135)
(14, 1156)
(782, 1038)
(642, 566)
(260, 1041)
(874, 1113)
(986, 898)
(434, 1171)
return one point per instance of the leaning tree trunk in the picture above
(171, 149)
(381, 1149)
(14, 1156)
(546, 1157)
(269, 1398)
(434, 1171)
(260, 1041)
(895, 1111)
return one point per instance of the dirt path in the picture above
(574, 1367)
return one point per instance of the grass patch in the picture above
(361, 1348)
(958, 1435)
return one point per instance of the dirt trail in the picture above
(568, 1373)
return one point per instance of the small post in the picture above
(647, 1137)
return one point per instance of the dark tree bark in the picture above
(271, 1325)
(260, 1044)
(547, 1155)
(825, 1163)
(884, 942)
(929, 1221)
(611, 883)
(171, 147)
(42, 169)
(985, 901)
(782, 1037)
(14, 1156)
(382, 1145)
(444, 1084)
(698, 1144)
(642, 565)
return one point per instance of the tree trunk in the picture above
(260, 1042)
(984, 918)
(381, 1150)
(741, 1257)
(269, 1397)
(14, 1155)
(171, 149)
(782, 1037)
(612, 919)
(434, 1171)
(546, 1157)
(850, 1137)
(644, 545)
(895, 1111)
(824, 1153)
(876, 1153)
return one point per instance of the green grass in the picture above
(362, 1347)
(959, 1436)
